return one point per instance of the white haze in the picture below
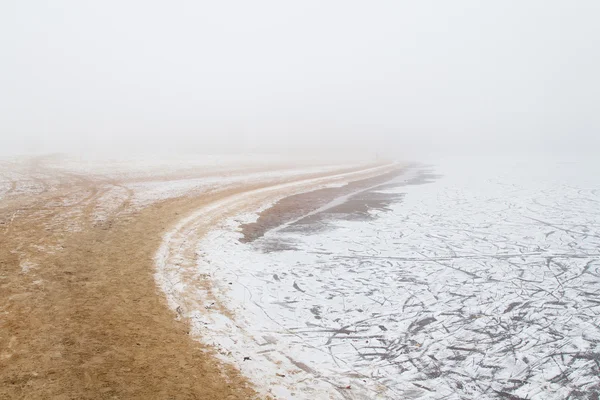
(389, 77)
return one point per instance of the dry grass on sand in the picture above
(80, 314)
(85, 320)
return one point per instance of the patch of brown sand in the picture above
(88, 321)
(80, 314)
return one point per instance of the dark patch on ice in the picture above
(361, 206)
(418, 325)
(294, 207)
(511, 306)
(361, 201)
(316, 311)
(295, 285)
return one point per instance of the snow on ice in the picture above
(484, 283)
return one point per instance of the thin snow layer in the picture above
(183, 283)
(146, 192)
(483, 284)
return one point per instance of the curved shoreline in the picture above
(81, 313)
(189, 290)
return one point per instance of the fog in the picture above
(401, 78)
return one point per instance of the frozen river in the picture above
(482, 280)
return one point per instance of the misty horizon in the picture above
(394, 79)
(300, 200)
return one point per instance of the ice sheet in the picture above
(483, 284)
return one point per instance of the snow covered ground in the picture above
(140, 181)
(484, 283)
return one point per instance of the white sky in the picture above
(397, 77)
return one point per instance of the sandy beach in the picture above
(82, 316)
(252, 278)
